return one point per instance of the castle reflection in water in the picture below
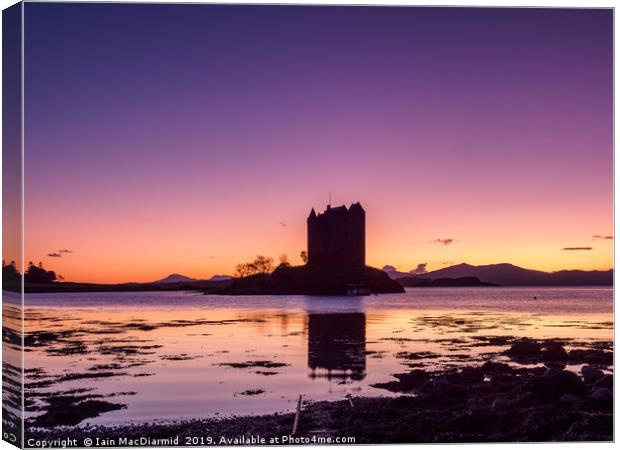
(337, 345)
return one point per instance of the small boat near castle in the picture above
(356, 290)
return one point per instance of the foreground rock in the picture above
(551, 386)
(524, 349)
(530, 351)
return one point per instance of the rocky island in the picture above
(309, 280)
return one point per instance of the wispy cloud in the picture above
(65, 250)
(446, 241)
(597, 236)
(54, 255)
(282, 224)
(577, 248)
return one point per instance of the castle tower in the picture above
(337, 237)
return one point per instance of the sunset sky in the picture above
(189, 138)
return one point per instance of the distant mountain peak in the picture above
(220, 278)
(174, 278)
(178, 278)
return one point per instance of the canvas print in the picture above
(285, 224)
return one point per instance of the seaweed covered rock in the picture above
(591, 374)
(607, 381)
(554, 352)
(524, 348)
(406, 381)
(552, 387)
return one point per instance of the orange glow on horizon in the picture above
(107, 250)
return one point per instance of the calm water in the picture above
(172, 356)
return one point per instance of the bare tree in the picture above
(242, 270)
(262, 264)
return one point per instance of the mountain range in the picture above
(510, 275)
(178, 278)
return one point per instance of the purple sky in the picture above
(178, 137)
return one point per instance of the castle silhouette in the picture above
(336, 264)
(337, 237)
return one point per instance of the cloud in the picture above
(577, 248)
(446, 241)
(65, 250)
(596, 236)
(282, 224)
(54, 255)
(421, 268)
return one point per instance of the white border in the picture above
(483, 3)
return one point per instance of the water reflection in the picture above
(156, 352)
(337, 345)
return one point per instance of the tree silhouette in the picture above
(10, 274)
(262, 264)
(243, 270)
(38, 274)
(304, 256)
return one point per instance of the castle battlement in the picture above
(337, 237)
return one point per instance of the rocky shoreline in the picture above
(492, 402)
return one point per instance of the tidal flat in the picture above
(456, 364)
